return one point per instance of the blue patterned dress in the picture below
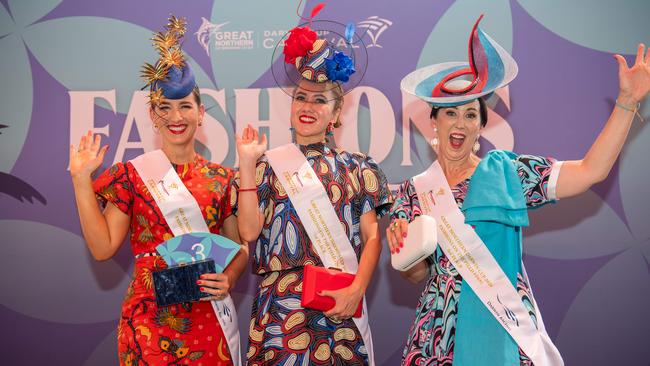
(431, 338)
(282, 332)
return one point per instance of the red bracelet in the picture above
(248, 189)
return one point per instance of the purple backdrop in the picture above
(67, 66)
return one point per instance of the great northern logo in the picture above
(223, 40)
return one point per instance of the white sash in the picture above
(480, 270)
(183, 215)
(319, 219)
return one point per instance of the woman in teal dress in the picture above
(443, 332)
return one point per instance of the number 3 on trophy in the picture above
(198, 249)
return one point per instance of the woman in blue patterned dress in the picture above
(281, 331)
(458, 119)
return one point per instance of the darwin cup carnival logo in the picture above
(375, 26)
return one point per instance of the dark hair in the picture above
(197, 94)
(338, 98)
(482, 110)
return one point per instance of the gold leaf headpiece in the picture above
(168, 46)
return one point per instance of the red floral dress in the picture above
(186, 334)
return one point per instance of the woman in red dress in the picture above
(184, 334)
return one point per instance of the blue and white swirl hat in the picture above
(448, 84)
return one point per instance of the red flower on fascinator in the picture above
(300, 41)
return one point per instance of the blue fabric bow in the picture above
(496, 207)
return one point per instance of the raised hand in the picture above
(88, 157)
(634, 82)
(249, 146)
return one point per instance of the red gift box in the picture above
(317, 279)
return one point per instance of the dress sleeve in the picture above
(406, 205)
(114, 186)
(538, 178)
(226, 206)
(233, 193)
(374, 191)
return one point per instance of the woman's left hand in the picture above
(250, 146)
(216, 284)
(347, 300)
(634, 82)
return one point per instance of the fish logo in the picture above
(509, 313)
(296, 177)
(206, 30)
(431, 197)
(162, 185)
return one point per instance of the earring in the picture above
(293, 134)
(329, 133)
(330, 130)
(476, 147)
(434, 141)
(156, 128)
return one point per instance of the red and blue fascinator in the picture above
(448, 84)
(170, 77)
(312, 55)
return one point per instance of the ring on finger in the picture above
(393, 226)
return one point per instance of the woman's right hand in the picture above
(88, 157)
(249, 146)
(396, 232)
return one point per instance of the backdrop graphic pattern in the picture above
(70, 65)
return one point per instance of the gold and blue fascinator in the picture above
(170, 77)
